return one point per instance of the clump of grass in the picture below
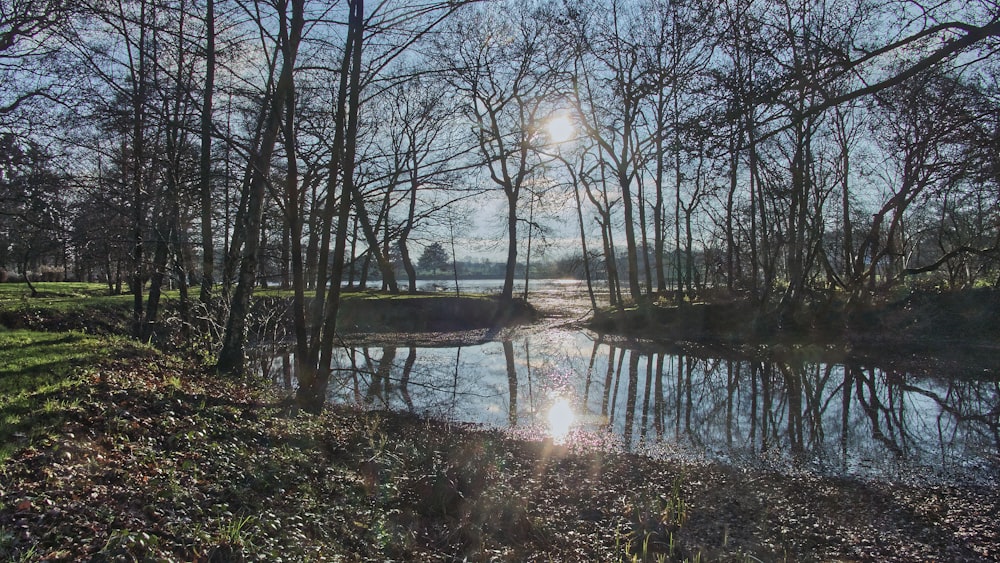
(656, 523)
(122, 544)
(236, 536)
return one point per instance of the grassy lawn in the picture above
(65, 306)
(61, 297)
(38, 371)
(43, 353)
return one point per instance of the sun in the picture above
(561, 418)
(560, 128)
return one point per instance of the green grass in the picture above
(52, 288)
(61, 297)
(65, 306)
(36, 370)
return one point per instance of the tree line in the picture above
(782, 150)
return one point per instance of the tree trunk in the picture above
(454, 259)
(630, 242)
(610, 262)
(205, 160)
(847, 248)
(239, 229)
(138, 169)
(342, 211)
(527, 251)
(293, 230)
(731, 252)
(507, 293)
(658, 218)
(404, 235)
(159, 267)
(583, 242)
(648, 271)
(232, 357)
(181, 269)
(388, 276)
(312, 397)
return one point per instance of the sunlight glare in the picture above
(560, 128)
(561, 417)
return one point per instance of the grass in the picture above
(58, 295)
(67, 297)
(38, 368)
(66, 306)
(36, 371)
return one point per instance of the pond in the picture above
(585, 390)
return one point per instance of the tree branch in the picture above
(948, 256)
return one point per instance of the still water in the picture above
(583, 390)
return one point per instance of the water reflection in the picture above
(561, 418)
(831, 418)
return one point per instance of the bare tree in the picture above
(232, 355)
(923, 129)
(610, 94)
(205, 159)
(30, 38)
(507, 95)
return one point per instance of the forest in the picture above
(782, 151)
(229, 231)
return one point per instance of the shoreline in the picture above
(156, 458)
(144, 465)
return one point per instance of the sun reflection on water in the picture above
(561, 418)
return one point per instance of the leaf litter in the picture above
(216, 469)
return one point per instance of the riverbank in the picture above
(942, 328)
(157, 461)
(150, 457)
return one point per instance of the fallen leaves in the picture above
(148, 469)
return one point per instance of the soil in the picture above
(163, 461)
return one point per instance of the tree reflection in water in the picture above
(843, 418)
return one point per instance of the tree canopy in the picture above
(775, 150)
(434, 258)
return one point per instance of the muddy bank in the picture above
(404, 318)
(920, 317)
